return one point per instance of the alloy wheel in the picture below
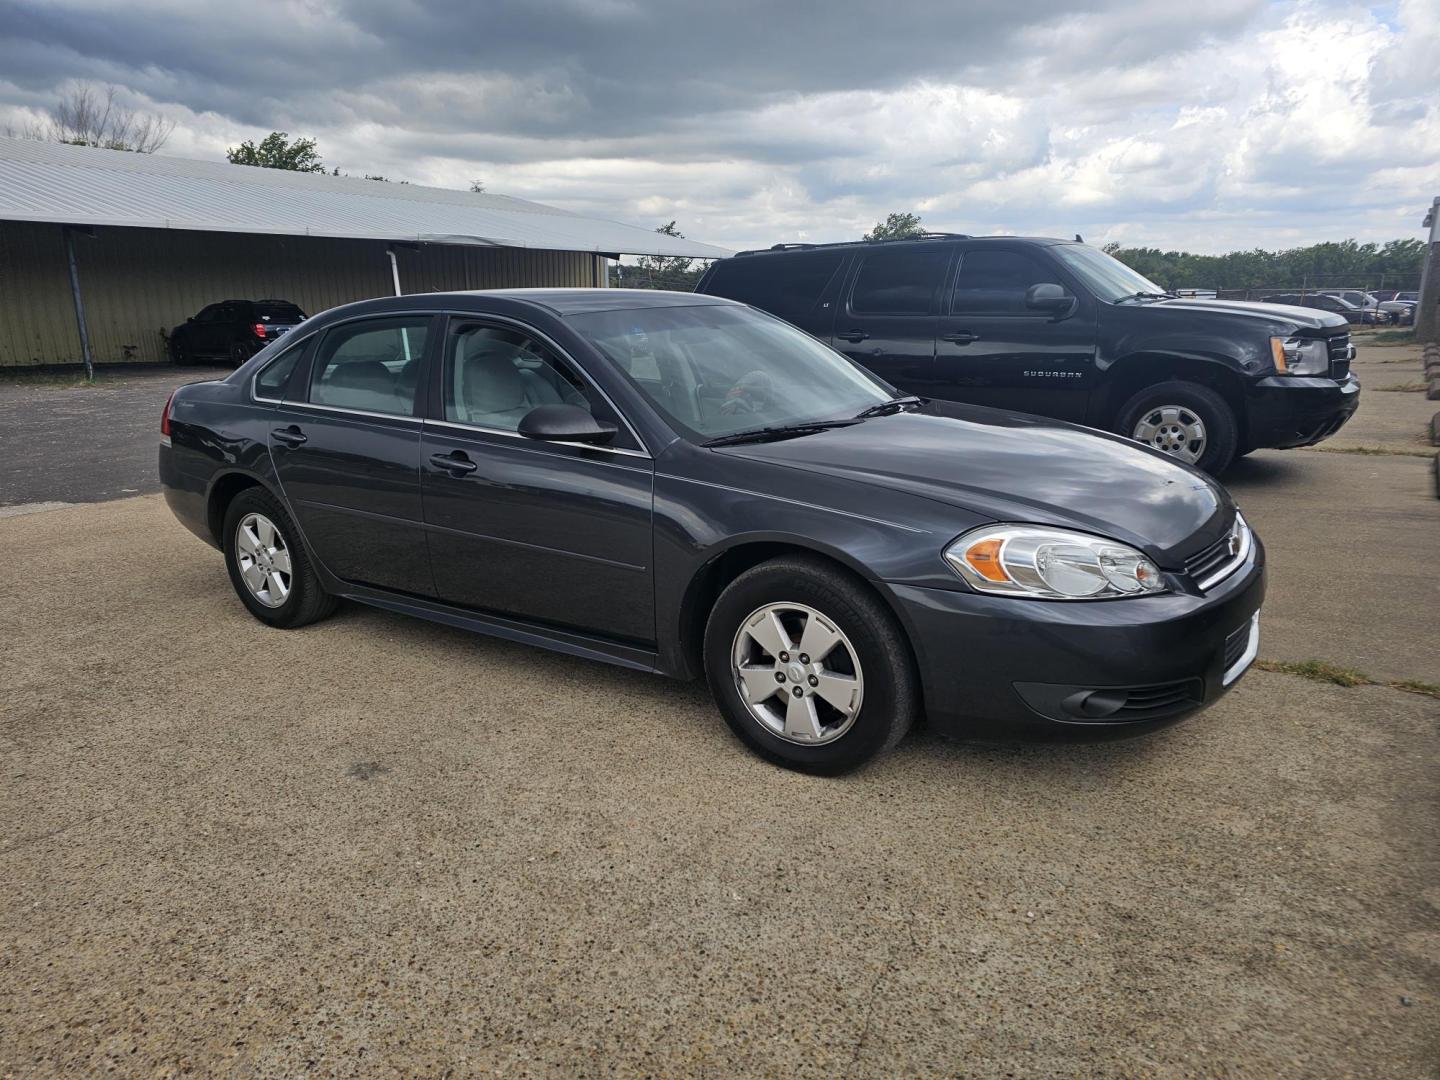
(797, 673)
(1174, 430)
(264, 560)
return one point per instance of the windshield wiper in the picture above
(778, 431)
(893, 405)
(1142, 295)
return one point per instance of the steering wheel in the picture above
(751, 392)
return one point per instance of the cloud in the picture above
(1234, 123)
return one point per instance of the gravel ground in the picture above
(382, 847)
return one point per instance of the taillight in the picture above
(259, 329)
(165, 416)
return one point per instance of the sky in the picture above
(1203, 126)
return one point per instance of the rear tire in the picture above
(239, 353)
(268, 565)
(857, 696)
(177, 353)
(1190, 422)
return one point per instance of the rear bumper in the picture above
(1287, 411)
(996, 667)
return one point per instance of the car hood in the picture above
(1014, 467)
(1303, 317)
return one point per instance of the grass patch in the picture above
(1326, 672)
(1381, 451)
(1391, 337)
(1402, 388)
(1318, 671)
(61, 380)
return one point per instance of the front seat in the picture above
(494, 391)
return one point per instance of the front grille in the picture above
(1213, 563)
(1235, 646)
(1339, 356)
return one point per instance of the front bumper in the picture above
(999, 667)
(1286, 411)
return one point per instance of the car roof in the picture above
(560, 302)
(927, 238)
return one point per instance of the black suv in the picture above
(1063, 330)
(232, 330)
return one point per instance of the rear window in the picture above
(784, 285)
(279, 313)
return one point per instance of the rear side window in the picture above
(785, 285)
(371, 366)
(898, 282)
(995, 282)
(270, 383)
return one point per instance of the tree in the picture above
(477, 186)
(895, 227)
(88, 116)
(660, 271)
(276, 151)
(1335, 264)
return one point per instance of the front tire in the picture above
(809, 668)
(268, 566)
(1190, 422)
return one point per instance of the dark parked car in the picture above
(1063, 330)
(1351, 313)
(233, 330)
(685, 485)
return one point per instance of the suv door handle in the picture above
(960, 337)
(853, 335)
(456, 463)
(290, 436)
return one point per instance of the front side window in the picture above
(995, 282)
(371, 366)
(716, 369)
(898, 282)
(494, 375)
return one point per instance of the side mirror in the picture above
(1049, 298)
(564, 423)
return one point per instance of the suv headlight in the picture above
(1051, 564)
(1301, 356)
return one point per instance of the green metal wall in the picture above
(136, 282)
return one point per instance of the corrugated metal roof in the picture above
(80, 185)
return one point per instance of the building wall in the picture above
(137, 283)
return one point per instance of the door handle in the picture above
(456, 463)
(960, 337)
(853, 335)
(290, 436)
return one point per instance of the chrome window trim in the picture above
(1237, 562)
(1252, 649)
(644, 450)
(537, 443)
(407, 417)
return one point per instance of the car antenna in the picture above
(1079, 239)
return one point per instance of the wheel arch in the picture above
(1133, 373)
(725, 564)
(223, 490)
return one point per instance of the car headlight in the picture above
(1051, 564)
(1301, 356)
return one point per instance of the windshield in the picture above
(714, 370)
(280, 313)
(1108, 278)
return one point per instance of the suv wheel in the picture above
(177, 353)
(268, 566)
(239, 353)
(808, 667)
(1185, 420)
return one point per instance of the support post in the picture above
(394, 270)
(79, 302)
(1427, 312)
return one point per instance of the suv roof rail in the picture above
(858, 243)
